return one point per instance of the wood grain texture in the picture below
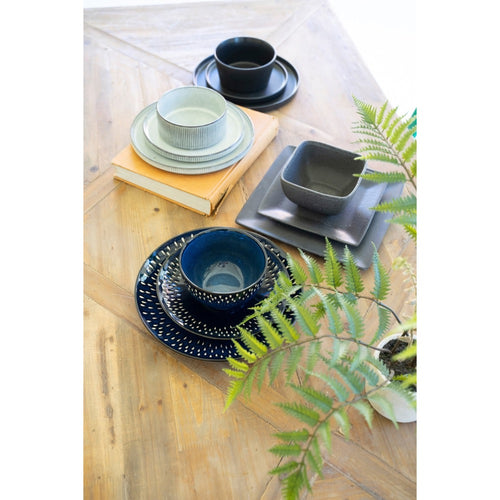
(154, 426)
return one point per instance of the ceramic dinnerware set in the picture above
(193, 290)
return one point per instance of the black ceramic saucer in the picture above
(188, 313)
(159, 323)
(276, 85)
(267, 101)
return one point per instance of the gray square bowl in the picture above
(320, 177)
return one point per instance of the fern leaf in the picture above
(413, 168)
(305, 318)
(325, 433)
(320, 400)
(367, 111)
(382, 284)
(384, 177)
(405, 220)
(409, 152)
(397, 131)
(398, 388)
(351, 379)
(233, 373)
(297, 271)
(293, 484)
(315, 273)
(384, 319)
(295, 436)
(333, 268)
(365, 410)
(293, 361)
(248, 382)
(275, 365)
(380, 113)
(262, 370)
(248, 356)
(354, 282)
(315, 462)
(285, 326)
(379, 400)
(335, 323)
(286, 449)
(354, 318)
(252, 343)
(401, 204)
(379, 156)
(342, 419)
(285, 468)
(301, 412)
(339, 389)
(313, 355)
(234, 389)
(238, 365)
(406, 136)
(273, 338)
(388, 117)
(412, 231)
(369, 374)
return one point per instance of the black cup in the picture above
(244, 64)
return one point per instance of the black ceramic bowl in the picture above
(320, 177)
(223, 267)
(244, 63)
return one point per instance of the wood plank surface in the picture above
(154, 426)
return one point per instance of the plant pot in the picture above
(403, 411)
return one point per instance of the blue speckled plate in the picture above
(160, 324)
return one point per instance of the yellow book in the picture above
(202, 193)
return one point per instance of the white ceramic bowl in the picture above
(191, 117)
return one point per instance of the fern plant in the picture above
(386, 137)
(327, 347)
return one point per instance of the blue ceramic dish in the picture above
(223, 267)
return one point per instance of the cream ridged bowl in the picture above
(191, 117)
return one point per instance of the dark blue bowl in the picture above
(223, 267)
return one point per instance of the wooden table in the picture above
(154, 422)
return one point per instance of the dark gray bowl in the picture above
(244, 63)
(320, 177)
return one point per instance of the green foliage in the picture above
(316, 345)
(386, 137)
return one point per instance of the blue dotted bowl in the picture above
(223, 267)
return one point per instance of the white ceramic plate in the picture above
(143, 148)
(233, 136)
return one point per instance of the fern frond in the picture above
(369, 374)
(237, 364)
(304, 317)
(233, 391)
(405, 220)
(388, 117)
(382, 284)
(285, 468)
(306, 415)
(298, 273)
(354, 318)
(293, 360)
(385, 405)
(318, 399)
(341, 393)
(248, 356)
(384, 321)
(295, 436)
(257, 347)
(275, 365)
(409, 152)
(286, 449)
(411, 231)
(293, 484)
(315, 272)
(325, 433)
(330, 304)
(354, 282)
(285, 326)
(333, 267)
(272, 336)
(315, 461)
(402, 204)
(379, 156)
(380, 114)
(384, 177)
(351, 379)
(342, 419)
(367, 111)
(365, 410)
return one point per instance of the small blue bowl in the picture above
(223, 267)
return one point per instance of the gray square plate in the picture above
(363, 253)
(348, 226)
